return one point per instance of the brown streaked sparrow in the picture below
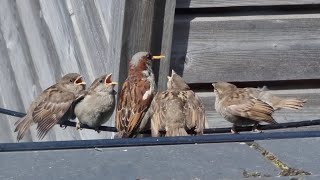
(246, 106)
(177, 110)
(54, 105)
(136, 94)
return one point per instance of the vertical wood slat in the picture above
(43, 40)
(164, 67)
(148, 26)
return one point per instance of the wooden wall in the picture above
(250, 43)
(42, 40)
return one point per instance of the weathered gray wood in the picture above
(43, 40)
(44, 55)
(167, 28)
(247, 48)
(309, 112)
(19, 56)
(228, 3)
(10, 96)
(137, 32)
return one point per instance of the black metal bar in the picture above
(130, 142)
(206, 131)
(11, 113)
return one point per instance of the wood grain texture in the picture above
(136, 34)
(247, 48)
(309, 112)
(42, 40)
(168, 21)
(229, 3)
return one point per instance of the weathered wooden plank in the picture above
(247, 48)
(98, 26)
(57, 18)
(137, 32)
(309, 112)
(20, 59)
(92, 33)
(229, 3)
(167, 32)
(44, 55)
(10, 96)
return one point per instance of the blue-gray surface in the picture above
(206, 161)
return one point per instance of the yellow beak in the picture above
(158, 57)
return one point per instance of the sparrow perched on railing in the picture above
(98, 103)
(136, 94)
(54, 105)
(246, 106)
(177, 110)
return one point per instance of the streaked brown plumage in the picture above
(245, 106)
(98, 103)
(177, 110)
(136, 94)
(52, 106)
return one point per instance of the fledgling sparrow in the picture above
(136, 94)
(246, 106)
(54, 105)
(177, 110)
(98, 103)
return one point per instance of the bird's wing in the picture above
(132, 106)
(156, 110)
(195, 112)
(244, 105)
(51, 110)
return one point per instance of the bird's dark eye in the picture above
(149, 56)
(70, 80)
(101, 81)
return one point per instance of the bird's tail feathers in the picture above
(292, 104)
(22, 126)
(176, 132)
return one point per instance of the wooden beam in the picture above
(145, 24)
(230, 3)
(166, 41)
(247, 48)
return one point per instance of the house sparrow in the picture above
(246, 106)
(98, 103)
(177, 110)
(54, 105)
(136, 94)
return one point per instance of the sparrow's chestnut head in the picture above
(143, 59)
(73, 82)
(103, 84)
(176, 82)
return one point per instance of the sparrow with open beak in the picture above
(54, 105)
(98, 103)
(246, 106)
(136, 94)
(177, 110)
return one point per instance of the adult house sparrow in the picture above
(136, 94)
(246, 106)
(177, 110)
(54, 105)
(98, 103)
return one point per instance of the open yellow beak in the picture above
(114, 83)
(79, 81)
(158, 57)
